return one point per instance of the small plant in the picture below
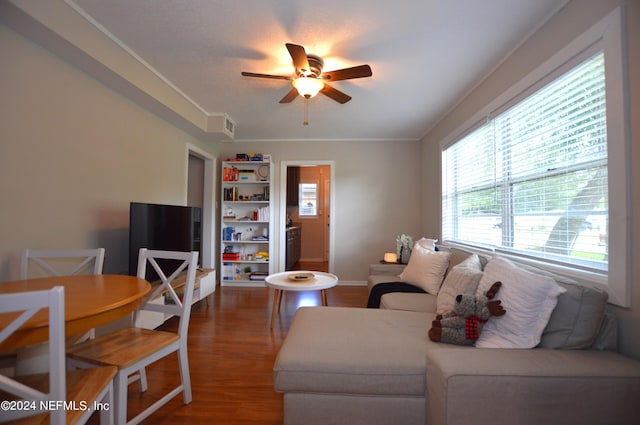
(404, 245)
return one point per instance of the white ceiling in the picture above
(425, 56)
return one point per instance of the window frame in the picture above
(300, 198)
(606, 35)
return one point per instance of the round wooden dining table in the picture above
(89, 301)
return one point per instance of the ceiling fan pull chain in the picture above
(306, 112)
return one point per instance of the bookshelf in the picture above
(246, 222)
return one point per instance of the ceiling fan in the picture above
(309, 79)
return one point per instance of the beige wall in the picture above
(73, 154)
(377, 194)
(568, 24)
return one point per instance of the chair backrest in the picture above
(52, 261)
(27, 304)
(170, 265)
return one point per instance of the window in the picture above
(533, 180)
(308, 199)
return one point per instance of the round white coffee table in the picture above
(320, 281)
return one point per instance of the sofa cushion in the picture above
(459, 255)
(375, 279)
(541, 387)
(462, 279)
(529, 300)
(576, 320)
(425, 303)
(381, 289)
(426, 269)
(340, 350)
(607, 339)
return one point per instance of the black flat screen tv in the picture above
(164, 227)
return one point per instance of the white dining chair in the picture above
(61, 262)
(83, 388)
(133, 349)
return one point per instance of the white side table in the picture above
(280, 282)
(386, 268)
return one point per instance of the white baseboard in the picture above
(352, 283)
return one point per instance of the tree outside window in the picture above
(534, 178)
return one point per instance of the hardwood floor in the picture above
(231, 354)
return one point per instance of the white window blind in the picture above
(533, 180)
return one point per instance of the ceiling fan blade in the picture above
(299, 56)
(289, 97)
(334, 94)
(348, 73)
(275, 77)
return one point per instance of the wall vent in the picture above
(221, 125)
(229, 125)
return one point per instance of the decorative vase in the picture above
(405, 253)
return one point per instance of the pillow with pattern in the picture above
(529, 300)
(461, 279)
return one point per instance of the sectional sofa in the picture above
(377, 366)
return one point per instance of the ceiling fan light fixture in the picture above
(309, 79)
(308, 86)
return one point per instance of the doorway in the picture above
(306, 210)
(200, 193)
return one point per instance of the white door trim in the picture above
(208, 242)
(282, 211)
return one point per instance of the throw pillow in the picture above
(529, 300)
(427, 243)
(462, 279)
(426, 268)
(577, 318)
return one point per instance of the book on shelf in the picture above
(258, 275)
(228, 271)
(231, 193)
(230, 256)
(228, 232)
(263, 214)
